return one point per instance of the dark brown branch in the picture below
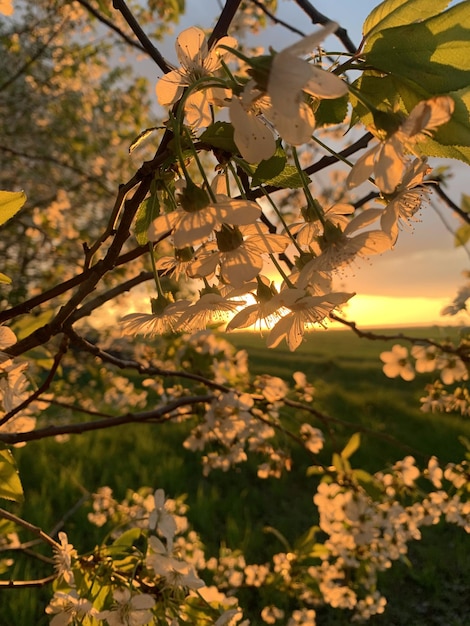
(147, 370)
(461, 351)
(29, 527)
(156, 416)
(451, 204)
(277, 20)
(148, 46)
(223, 23)
(319, 18)
(22, 584)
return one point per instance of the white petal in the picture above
(191, 47)
(308, 43)
(324, 84)
(295, 128)
(254, 140)
(169, 88)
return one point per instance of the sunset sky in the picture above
(412, 283)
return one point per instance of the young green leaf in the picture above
(147, 212)
(141, 138)
(10, 484)
(10, 203)
(391, 13)
(352, 445)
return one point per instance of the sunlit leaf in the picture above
(270, 168)
(433, 54)
(462, 235)
(10, 203)
(417, 61)
(392, 13)
(331, 112)
(148, 211)
(220, 135)
(352, 445)
(10, 484)
(141, 138)
(5, 279)
(465, 203)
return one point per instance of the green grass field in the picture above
(234, 507)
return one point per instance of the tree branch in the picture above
(156, 416)
(148, 46)
(223, 23)
(319, 18)
(87, 6)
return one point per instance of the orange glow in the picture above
(382, 311)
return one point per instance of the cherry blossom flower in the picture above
(336, 248)
(305, 310)
(283, 101)
(302, 617)
(434, 472)
(264, 309)
(407, 470)
(63, 555)
(290, 78)
(129, 609)
(175, 572)
(251, 135)
(165, 319)
(313, 438)
(69, 608)
(311, 227)
(198, 216)
(161, 519)
(210, 308)
(426, 358)
(196, 61)
(239, 252)
(387, 160)
(406, 200)
(397, 363)
(452, 369)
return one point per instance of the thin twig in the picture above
(158, 416)
(104, 20)
(148, 46)
(319, 18)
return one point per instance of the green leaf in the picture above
(462, 235)
(289, 178)
(352, 445)
(331, 112)
(392, 13)
(6, 280)
(414, 62)
(10, 484)
(10, 203)
(24, 326)
(270, 168)
(337, 462)
(220, 135)
(141, 138)
(147, 212)
(465, 203)
(433, 55)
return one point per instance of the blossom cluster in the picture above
(431, 357)
(365, 530)
(122, 585)
(223, 239)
